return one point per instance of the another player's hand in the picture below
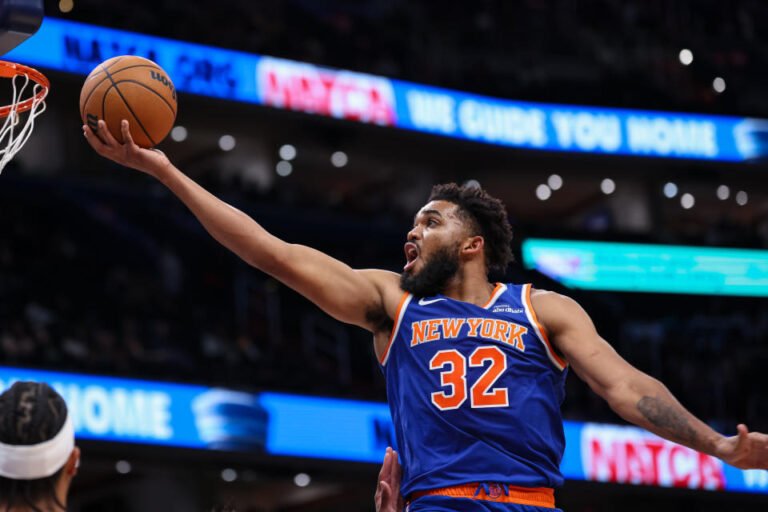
(387, 497)
(150, 161)
(745, 450)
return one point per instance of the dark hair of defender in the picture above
(30, 413)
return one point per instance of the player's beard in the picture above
(434, 275)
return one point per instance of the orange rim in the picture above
(11, 70)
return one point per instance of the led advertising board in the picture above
(237, 76)
(649, 267)
(180, 415)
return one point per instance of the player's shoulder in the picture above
(385, 280)
(546, 302)
(556, 310)
(540, 295)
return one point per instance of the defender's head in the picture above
(460, 227)
(38, 458)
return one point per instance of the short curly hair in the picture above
(487, 216)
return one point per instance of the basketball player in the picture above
(475, 370)
(38, 456)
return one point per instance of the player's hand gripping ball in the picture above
(132, 88)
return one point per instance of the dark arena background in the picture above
(626, 138)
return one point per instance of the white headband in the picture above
(30, 462)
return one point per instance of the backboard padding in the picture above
(19, 19)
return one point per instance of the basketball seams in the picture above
(103, 96)
(104, 103)
(128, 106)
(91, 76)
(131, 81)
(90, 93)
(106, 77)
(116, 61)
(115, 100)
(95, 73)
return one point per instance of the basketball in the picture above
(132, 88)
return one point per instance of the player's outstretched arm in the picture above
(357, 297)
(634, 395)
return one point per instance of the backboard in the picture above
(19, 19)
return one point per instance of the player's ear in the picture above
(473, 245)
(73, 462)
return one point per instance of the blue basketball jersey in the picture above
(475, 392)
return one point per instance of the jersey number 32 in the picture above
(454, 376)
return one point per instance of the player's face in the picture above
(432, 249)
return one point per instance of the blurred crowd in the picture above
(108, 280)
(116, 281)
(597, 51)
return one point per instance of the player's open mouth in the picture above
(411, 255)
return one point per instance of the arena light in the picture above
(66, 6)
(670, 190)
(686, 57)
(555, 182)
(228, 475)
(302, 480)
(718, 84)
(179, 134)
(283, 168)
(227, 143)
(543, 192)
(123, 467)
(287, 152)
(741, 198)
(687, 201)
(339, 159)
(608, 186)
(723, 192)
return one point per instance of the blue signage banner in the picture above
(649, 267)
(186, 416)
(574, 128)
(237, 76)
(180, 415)
(78, 48)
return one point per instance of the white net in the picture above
(17, 126)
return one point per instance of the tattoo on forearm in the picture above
(668, 417)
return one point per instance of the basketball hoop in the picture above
(13, 136)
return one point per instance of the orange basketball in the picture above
(132, 88)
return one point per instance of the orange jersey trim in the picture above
(540, 328)
(396, 325)
(494, 295)
(536, 496)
